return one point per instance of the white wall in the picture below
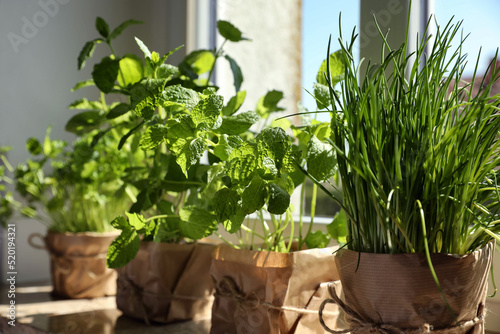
(38, 67)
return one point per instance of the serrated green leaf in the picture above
(269, 103)
(105, 74)
(102, 27)
(118, 110)
(123, 249)
(200, 61)
(181, 127)
(317, 239)
(135, 220)
(234, 103)
(145, 96)
(178, 95)
(235, 125)
(33, 146)
(337, 229)
(225, 145)
(229, 31)
(225, 202)
(131, 70)
(87, 52)
(197, 223)
(84, 122)
(207, 112)
(336, 69)
(279, 199)
(120, 223)
(233, 224)
(143, 48)
(168, 230)
(153, 137)
(188, 152)
(321, 159)
(167, 71)
(254, 195)
(118, 30)
(243, 162)
(84, 104)
(237, 75)
(83, 84)
(276, 144)
(322, 95)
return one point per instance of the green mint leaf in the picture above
(233, 224)
(84, 104)
(337, 229)
(243, 163)
(87, 52)
(153, 137)
(225, 145)
(269, 103)
(181, 127)
(225, 202)
(279, 199)
(237, 75)
(254, 195)
(118, 110)
(188, 152)
(167, 71)
(105, 74)
(143, 48)
(235, 125)
(180, 96)
(145, 96)
(123, 249)
(276, 144)
(131, 70)
(317, 239)
(234, 103)
(102, 27)
(200, 61)
(168, 54)
(229, 31)
(197, 223)
(321, 159)
(337, 68)
(207, 112)
(322, 95)
(83, 84)
(84, 122)
(118, 30)
(136, 221)
(33, 146)
(120, 223)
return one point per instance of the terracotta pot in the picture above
(391, 293)
(167, 282)
(78, 263)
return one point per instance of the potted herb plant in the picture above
(163, 267)
(74, 199)
(417, 154)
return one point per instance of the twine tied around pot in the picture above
(227, 288)
(359, 324)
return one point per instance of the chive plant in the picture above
(417, 150)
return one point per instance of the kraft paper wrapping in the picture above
(78, 264)
(167, 283)
(398, 291)
(270, 292)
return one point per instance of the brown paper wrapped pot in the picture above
(400, 292)
(268, 292)
(167, 282)
(78, 263)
